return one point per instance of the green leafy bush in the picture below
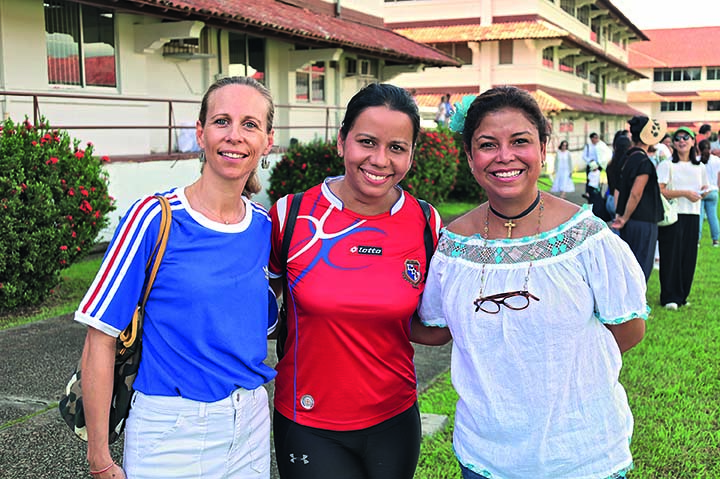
(466, 188)
(435, 166)
(303, 166)
(53, 203)
(431, 176)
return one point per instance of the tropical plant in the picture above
(53, 203)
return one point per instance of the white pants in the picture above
(173, 437)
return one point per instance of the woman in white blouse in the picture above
(541, 299)
(685, 180)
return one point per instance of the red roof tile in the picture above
(534, 29)
(278, 18)
(567, 101)
(676, 47)
(477, 33)
(549, 99)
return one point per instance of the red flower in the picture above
(23, 186)
(304, 165)
(34, 143)
(79, 154)
(63, 248)
(105, 158)
(84, 192)
(74, 234)
(71, 192)
(62, 261)
(85, 206)
(97, 214)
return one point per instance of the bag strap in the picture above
(427, 235)
(129, 334)
(289, 228)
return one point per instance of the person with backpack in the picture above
(639, 207)
(346, 390)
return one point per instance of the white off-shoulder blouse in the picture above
(539, 390)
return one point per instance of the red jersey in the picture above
(354, 283)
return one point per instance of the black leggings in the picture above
(389, 450)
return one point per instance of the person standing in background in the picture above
(710, 201)
(639, 208)
(592, 152)
(684, 178)
(563, 182)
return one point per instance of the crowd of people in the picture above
(366, 270)
(648, 162)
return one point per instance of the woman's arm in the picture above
(429, 335)
(628, 334)
(670, 194)
(633, 200)
(97, 363)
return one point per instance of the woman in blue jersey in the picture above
(346, 391)
(522, 283)
(200, 409)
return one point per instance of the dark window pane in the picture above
(62, 34)
(99, 46)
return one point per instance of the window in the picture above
(458, 50)
(713, 73)
(506, 52)
(247, 56)
(713, 106)
(676, 106)
(310, 83)
(80, 44)
(568, 6)
(676, 74)
(567, 64)
(548, 57)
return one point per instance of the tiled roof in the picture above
(477, 33)
(566, 101)
(676, 47)
(653, 97)
(277, 18)
(533, 29)
(549, 100)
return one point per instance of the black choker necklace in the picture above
(510, 225)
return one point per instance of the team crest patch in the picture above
(412, 273)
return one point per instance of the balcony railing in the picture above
(170, 124)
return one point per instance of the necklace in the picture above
(509, 224)
(486, 229)
(217, 216)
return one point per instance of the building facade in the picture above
(682, 84)
(571, 55)
(128, 75)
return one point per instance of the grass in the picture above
(63, 298)
(672, 380)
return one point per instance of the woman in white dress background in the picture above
(563, 183)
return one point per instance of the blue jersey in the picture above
(210, 308)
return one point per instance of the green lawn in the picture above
(673, 383)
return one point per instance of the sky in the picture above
(653, 14)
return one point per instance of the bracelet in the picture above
(104, 469)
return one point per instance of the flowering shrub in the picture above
(466, 188)
(304, 166)
(53, 203)
(434, 168)
(431, 176)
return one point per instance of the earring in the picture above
(201, 156)
(265, 162)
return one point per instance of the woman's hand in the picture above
(113, 472)
(618, 223)
(693, 196)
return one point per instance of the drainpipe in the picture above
(338, 8)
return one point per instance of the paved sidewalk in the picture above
(37, 361)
